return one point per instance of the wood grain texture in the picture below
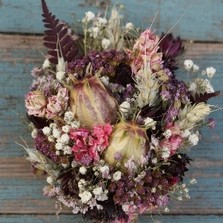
(202, 19)
(21, 191)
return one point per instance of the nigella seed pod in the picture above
(91, 103)
(129, 140)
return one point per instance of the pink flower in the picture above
(35, 103)
(57, 104)
(147, 43)
(89, 144)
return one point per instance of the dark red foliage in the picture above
(57, 38)
(204, 97)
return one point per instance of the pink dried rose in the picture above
(35, 103)
(57, 104)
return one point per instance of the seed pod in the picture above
(129, 141)
(91, 103)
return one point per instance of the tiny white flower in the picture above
(195, 68)
(60, 75)
(94, 32)
(165, 153)
(208, 86)
(34, 133)
(117, 176)
(75, 124)
(53, 125)
(97, 191)
(50, 138)
(85, 196)
(167, 133)
(57, 152)
(101, 21)
(154, 160)
(166, 210)
(193, 138)
(68, 116)
(89, 16)
(59, 146)
(65, 165)
(56, 133)
(82, 170)
(46, 64)
(125, 207)
(61, 65)
(46, 131)
(67, 150)
(193, 181)
(192, 87)
(186, 133)
(188, 64)
(105, 80)
(210, 71)
(64, 138)
(149, 122)
(124, 107)
(66, 128)
(105, 43)
(153, 190)
(104, 170)
(49, 180)
(129, 26)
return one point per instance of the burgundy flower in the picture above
(171, 48)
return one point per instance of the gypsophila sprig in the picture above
(112, 126)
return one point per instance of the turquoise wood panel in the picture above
(143, 219)
(202, 20)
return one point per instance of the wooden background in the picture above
(21, 197)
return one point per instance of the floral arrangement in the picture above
(112, 124)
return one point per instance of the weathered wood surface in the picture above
(203, 19)
(21, 197)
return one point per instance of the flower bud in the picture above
(91, 103)
(128, 140)
(35, 103)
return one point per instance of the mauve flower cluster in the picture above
(112, 128)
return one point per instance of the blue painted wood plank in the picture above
(143, 219)
(203, 19)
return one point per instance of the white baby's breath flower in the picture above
(67, 150)
(60, 75)
(193, 87)
(165, 153)
(167, 133)
(188, 65)
(46, 131)
(50, 138)
(89, 16)
(94, 32)
(195, 68)
(46, 64)
(166, 210)
(186, 133)
(100, 22)
(85, 196)
(208, 86)
(75, 124)
(210, 71)
(129, 26)
(56, 133)
(97, 191)
(104, 170)
(49, 180)
(53, 125)
(124, 107)
(61, 65)
(193, 138)
(149, 123)
(68, 116)
(59, 146)
(154, 160)
(193, 181)
(66, 128)
(105, 43)
(82, 170)
(34, 133)
(117, 176)
(64, 138)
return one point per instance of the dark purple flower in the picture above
(171, 48)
